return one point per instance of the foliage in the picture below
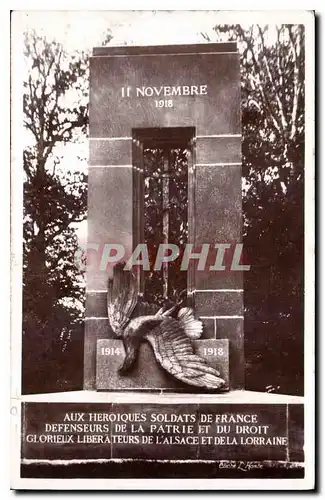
(55, 113)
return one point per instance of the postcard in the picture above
(162, 250)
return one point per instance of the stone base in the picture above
(147, 374)
(164, 431)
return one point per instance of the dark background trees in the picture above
(55, 114)
(55, 109)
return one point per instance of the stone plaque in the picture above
(176, 86)
(147, 374)
(162, 431)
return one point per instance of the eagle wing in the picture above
(174, 352)
(121, 297)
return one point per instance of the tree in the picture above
(55, 113)
(272, 65)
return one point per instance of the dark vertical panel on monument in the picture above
(202, 83)
(137, 193)
(178, 227)
(165, 217)
(153, 166)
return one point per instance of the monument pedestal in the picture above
(239, 432)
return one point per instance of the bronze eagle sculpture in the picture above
(169, 332)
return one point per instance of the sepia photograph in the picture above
(162, 246)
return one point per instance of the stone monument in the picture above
(165, 125)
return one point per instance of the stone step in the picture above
(147, 374)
